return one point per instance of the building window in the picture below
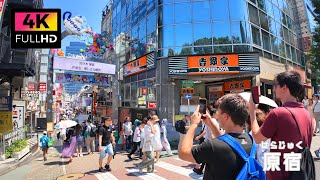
(168, 14)
(221, 33)
(184, 35)
(266, 41)
(238, 10)
(202, 34)
(222, 49)
(253, 13)
(256, 36)
(182, 13)
(220, 10)
(240, 33)
(201, 11)
(264, 20)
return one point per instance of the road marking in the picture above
(179, 170)
(108, 175)
(99, 176)
(146, 176)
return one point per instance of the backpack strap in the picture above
(235, 145)
(253, 148)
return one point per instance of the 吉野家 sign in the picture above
(135, 66)
(36, 28)
(64, 63)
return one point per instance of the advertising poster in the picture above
(3, 4)
(97, 79)
(18, 116)
(5, 121)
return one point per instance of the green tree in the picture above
(314, 56)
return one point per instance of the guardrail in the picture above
(7, 138)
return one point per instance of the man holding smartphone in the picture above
(222, 162)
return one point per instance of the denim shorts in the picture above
(106, 149)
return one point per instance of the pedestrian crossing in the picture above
(169, 168)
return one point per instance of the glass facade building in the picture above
(185, 27)
(260, 37)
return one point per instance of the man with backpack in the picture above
(182, 126)
(227, 156)
(91, 134)
(290, 123)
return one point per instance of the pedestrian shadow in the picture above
(60, 163)
(316, 159)
(92, 172)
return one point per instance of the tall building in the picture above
(74, 48)
(222, 46)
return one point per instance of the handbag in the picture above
(50, 143)
(120, 140)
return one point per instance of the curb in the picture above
(22, 162)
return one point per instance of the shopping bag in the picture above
(50, 143)
(120, 140)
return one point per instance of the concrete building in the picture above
(222, 46)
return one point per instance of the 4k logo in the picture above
(36, 28)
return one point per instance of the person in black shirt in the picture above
(222, 162)
(106, 142)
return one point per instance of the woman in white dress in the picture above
(157, 137)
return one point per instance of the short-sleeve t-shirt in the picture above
(222, 162)
(280, 126)
(44, 141)
(106, 135)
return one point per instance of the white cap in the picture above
(45, 132)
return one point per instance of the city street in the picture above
(86, 168)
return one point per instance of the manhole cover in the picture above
(71, 176)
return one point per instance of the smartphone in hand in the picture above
(203, 105)
(255, 94)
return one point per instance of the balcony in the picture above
(16, 62)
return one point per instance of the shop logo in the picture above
(202, 61)
(36, 28)
(224, 60)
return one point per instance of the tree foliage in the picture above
(315, 47)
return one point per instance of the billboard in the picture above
(64, 63)
(96, 79)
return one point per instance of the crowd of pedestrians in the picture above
(235, 139)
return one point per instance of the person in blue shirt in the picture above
(44, 140)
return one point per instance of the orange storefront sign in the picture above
(237, 86)
(213, 64)
(136, 66)
(187, 90)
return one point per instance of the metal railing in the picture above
(7, 138)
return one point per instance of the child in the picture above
(44, 140)
(164, 141)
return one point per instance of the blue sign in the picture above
(188, 96)
(5, 103)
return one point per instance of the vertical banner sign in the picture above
(42, 87)
(31, 86)
(36, 28)
(3, 4)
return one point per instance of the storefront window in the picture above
(127, 92)
(151, 94)
(134, 92)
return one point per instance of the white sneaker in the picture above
(81, 155)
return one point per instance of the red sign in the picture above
(31, 87)
(152, 105)
(42, 87)
(187, 90)
(144, 91)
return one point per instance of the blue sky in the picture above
(91, 10)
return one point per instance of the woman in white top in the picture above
(310, 108)
(164, 141)
(136, 140)
(157, 137)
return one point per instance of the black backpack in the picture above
(307, 168)
(92, 132)
(180, 126)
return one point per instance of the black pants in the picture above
(135, 147)
(128, 141)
